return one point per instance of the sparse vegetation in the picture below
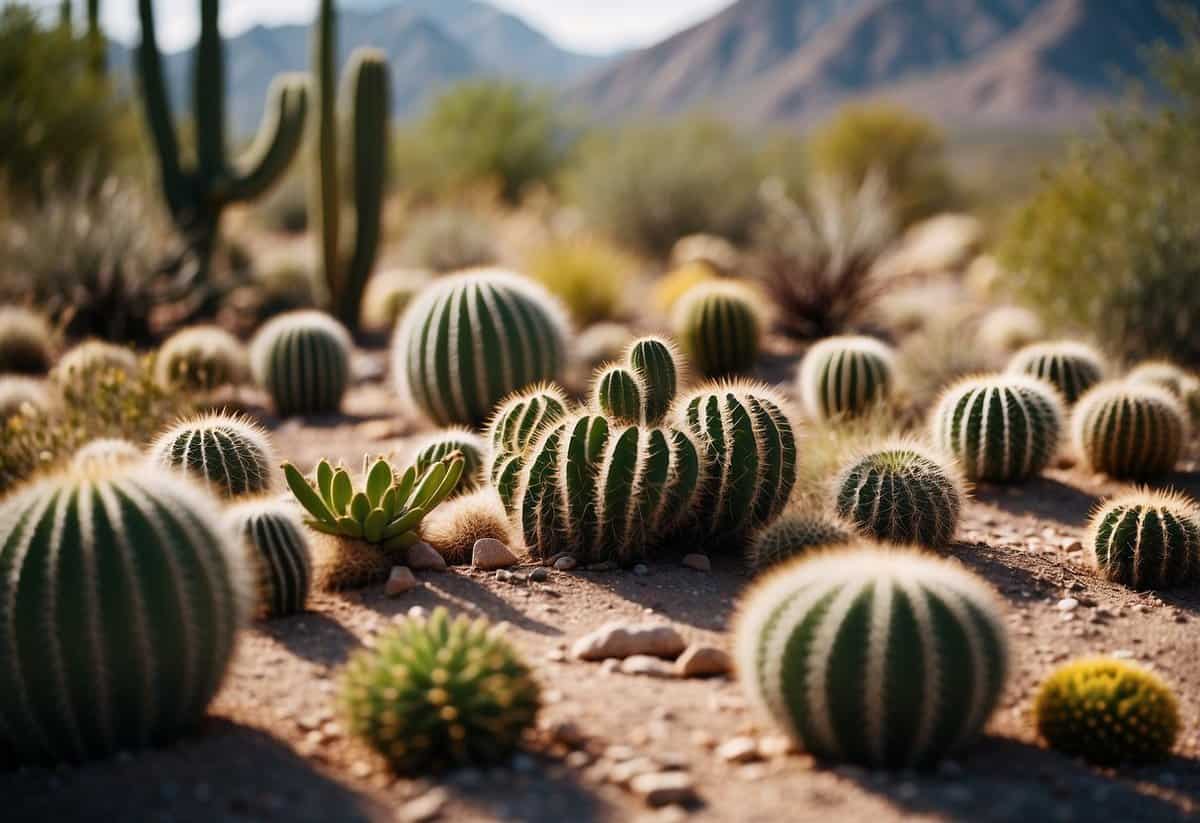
(590, 276)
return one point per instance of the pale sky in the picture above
(584, 25)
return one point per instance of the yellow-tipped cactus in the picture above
(1147, 540)
(1070, 367)
(845, 376)
(1165, 374)
(1129, 430)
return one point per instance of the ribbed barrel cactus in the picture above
(515, 427)
(1002, 429)
(92, 356)
(719, 326)
(200, 359)
(1167, 375)
(658, 363)
(845, 376)
(619, 394)
(442, 444)
(747, 450)
(278, 552)
(1129, 430)
(1147, 540)
(882, 658)
(901, 493)
(470, 340)
(1069, 366)
(231, 454)
(793, 535)
(105, 451)
(302, 359)
(121, 594)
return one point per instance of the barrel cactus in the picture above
(720, 326)
(232, 454)
(1002, 429)
(26, 342)
(122, 594)
(880, 658)
(747, 452)
(105, 451)
(1070, 367)
(302, 359)
(434, 447)
(1147, 540)
(515, 427)
(470, 340)
(845, 376)
(92, 356)
(901, 493)
(1129, 430)
(278, 552)
(657, 362)
(1178, 381)
(201, 359)
(1109, 712)
(436, 693)
(793, 535)
(24, 394)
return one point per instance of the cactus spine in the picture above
(881, 658)
(279, 554)
(121, 596)
(302, 359)
(1002, 429)
(845, 376)
(719, 326)
(1129, 430)
(233, 455)
(514, 428)
(1147, 540)
(196, 197)
(366, 84)
(1070, 367)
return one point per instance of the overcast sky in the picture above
(585, 25)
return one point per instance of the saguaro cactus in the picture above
(348, 265)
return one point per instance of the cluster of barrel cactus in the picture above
(302, 359)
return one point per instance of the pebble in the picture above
(567, 733)
(539, 575)
(401, 580)
(703, 661)
(489, 554)
(565, 563)
(1067, 604)
(647, 666)
(424, 558)
(641, 570)
(665, 788)
(623, 774)
(424, 808)
(776, 746)
(620, 640)
(699, 562)
(739, 750)
(1122, 654)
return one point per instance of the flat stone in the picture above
(539, 575)
(665, 788)
(565, 563)
(620, 640)
(739, 750)
(423, 557)
(647, 666)
(401, 580)
(1067, 604)
(622, 774)
(490, 554)
(703, 661)
(699, 562)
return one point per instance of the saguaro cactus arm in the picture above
(279, 138)
(208, 95)
(158, 113)
(369, 120)
(326, 187)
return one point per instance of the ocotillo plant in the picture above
(348, 265)
(196, 196)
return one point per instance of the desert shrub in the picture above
(649, 186)
(449, 239)
(589, 276)
(906, 149)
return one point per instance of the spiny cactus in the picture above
(882, 658)
(197, 196)
(658, 363)
(470, 340)
(1147, 540)
(1167, 375)
(1109, 712)
(200, 359)
(454, 527)
(514, 428)
(106, 451)
(901, 493)
(1002, 429)
(278, 552)
(92, 356)
(793, 535)
(845, 376)
(747, 450)
(122, 595)
(618, 394)
(719, 326)
(24, 394)
(1129, 430)
(354, 176)
(603, 492)
(26, 342)
(231, 454)
(302, 359)
(467, 443)
(436, 693)
(1070, 367)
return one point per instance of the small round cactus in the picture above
(845, 376)
(92, 356)
(793, 535)
(618, 394)
(201, 359)
(302, 359)
(278, 552)
(1002, 429)
(232, 454)
(21, 394)
(720, 326)
(106, 451)
(1167, 375)
(1070, 367)
(881, 658)
(26, 342)
(122, 596)
(453, 528)
(438, 445)
(436, 693)
(1147, 540)
(516, 425)
(470, 340)
(1129, 430)
(1109, 712)
(901, 493)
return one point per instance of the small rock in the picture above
(567, 733)
(565, 563)
(703, 661)
(776, 746)
(489, 554)
(401, 580)
(1067, 604)
(647, 666)
(739, 750)
(424, 558)
(539, 575)
(1073, 546)
(424, 808)
(1122, 654)
(665, 788)
(621, 640)
(641, 570)
(699, 562)
(623, 774)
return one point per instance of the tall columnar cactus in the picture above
(1070, 367)
(1129, 430)
(231, 454)
(121, 594)
(604, 493)
(793, 535)
(197, 196)
(845, 376)
(470, 340)
(719, 325)
(882, 658)
(657, 362)
(900, 493)
(201, 359)
(278, 552)
(1147, 540)
(355, 177)
(513, 430)
(1002, 429)
(471, 446)
(747, 452)
(619, 394)
(302, 359)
